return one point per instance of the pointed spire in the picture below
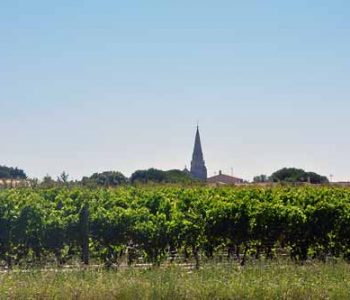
(198, 168)
(197, 152)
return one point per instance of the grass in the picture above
(271, 280)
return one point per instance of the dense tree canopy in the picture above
(108, 178)
(11, 173)
(159, 176)
(297, 175)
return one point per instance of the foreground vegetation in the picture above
(270, 280)
(159, 224)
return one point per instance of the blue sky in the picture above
(93, 85)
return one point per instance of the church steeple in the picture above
(197, 152)
(198, 168)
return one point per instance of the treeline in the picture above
(115, 178)
(292, 175)
(104, 179)
(159, 224)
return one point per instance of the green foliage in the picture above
(159, 176)
(261, 179)
(153, 222)
(297, 175)
(263, 281)
(107, 179)
(48, 182)
(178, 176)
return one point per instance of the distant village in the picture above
(287, 175)
(199, 169)
(14, 177)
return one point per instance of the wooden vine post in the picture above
(84, 228)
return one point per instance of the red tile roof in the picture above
(224, 179)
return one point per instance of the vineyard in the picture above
(165, 224)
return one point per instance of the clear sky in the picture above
(93, 85)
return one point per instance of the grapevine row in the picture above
(162, 223)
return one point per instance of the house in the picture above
(11, 183)
(224, 179)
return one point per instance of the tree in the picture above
(150, 175)
(48, 182)
(63, 178)
(108, 178)
(261, 179)
(12, 173)
(316, 178)
(297, 175)
(159, 176)
(177, 176)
